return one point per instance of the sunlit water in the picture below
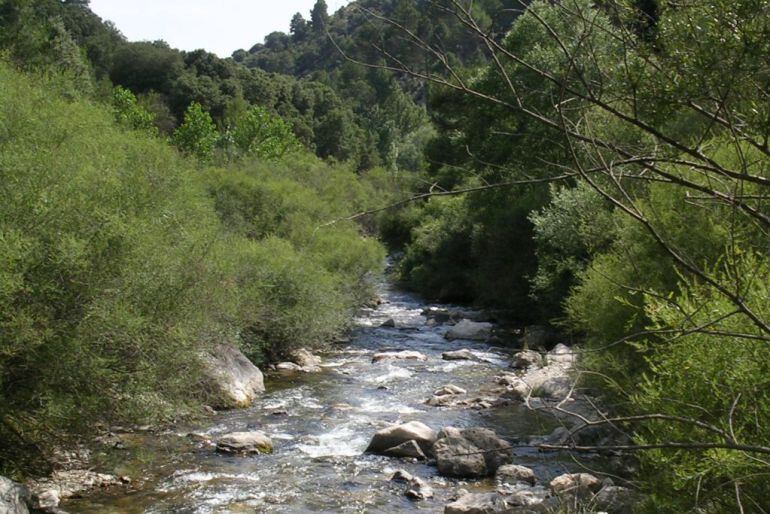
(320, 425)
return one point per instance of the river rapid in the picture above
(320, 424)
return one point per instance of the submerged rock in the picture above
(233, 381)
(391, 323)
(13, 497)
(404, 355)
(394, 436)
(450, 390)
(470, 452)
(244, 443)
(470, 330)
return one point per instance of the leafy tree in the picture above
(129, 113)
(319, 17)
(259, 133)
(198, 134)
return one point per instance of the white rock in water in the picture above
(450, 389)
(232, 379)
(511, 474)
(578, 484)
(245, 443)
(470, 330)
(305, 358)
(405, 355)
(459, 355)
(13, 497)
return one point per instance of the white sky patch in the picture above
(220, 27)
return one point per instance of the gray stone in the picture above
(305, 358)
(419, 490)
(232, 379)
(459, 355)
(470, 453)
(288, 366)
(575, 484)
(511, 474)
(409, 449)
(13, 497)
(64, 484)
(396, 435)
(470, 330)
(244, 443)
(613, 498)
(487, 503)
(523, 495)
(391, 323)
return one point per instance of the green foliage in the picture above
(129, 113)
(122, 261)
(712, 376)
(197, 135)
(263, 135)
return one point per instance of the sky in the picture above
(220, 27)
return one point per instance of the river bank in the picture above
(399, 366)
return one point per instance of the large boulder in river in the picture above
(244, 443)
(396, 435)
(404, 355)
(470, 452)
(13, 497)
(470, 330)
(233, 380)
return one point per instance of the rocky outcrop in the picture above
(13, 497)
(470, 330)
(396, 435)
(404, 355)
(47, 493)
(245, 443)
(232, 380)
(470, 452)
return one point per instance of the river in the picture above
(320, 424)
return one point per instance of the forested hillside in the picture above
(599, 169)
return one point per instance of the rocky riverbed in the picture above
(423, 409)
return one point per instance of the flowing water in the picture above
(320, 424)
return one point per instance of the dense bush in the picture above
(122, 261)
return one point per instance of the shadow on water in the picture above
(320, 424)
